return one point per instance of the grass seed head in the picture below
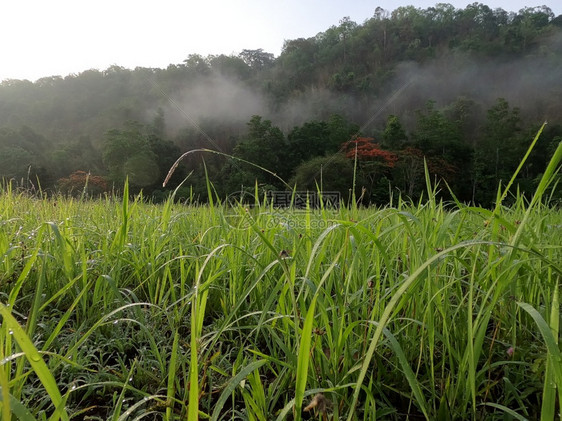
(319, 404)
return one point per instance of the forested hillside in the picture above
(464, 89)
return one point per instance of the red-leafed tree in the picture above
(365, 149)
(80, 182)
(373, 162)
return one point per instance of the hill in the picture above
(462, 87)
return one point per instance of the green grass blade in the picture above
(306, 338)
(121, 236)
(410, 376)
(548, 407)
(514, 176)
(231, 386)
(172, 374)
(304, 358)
(508, 411)
(58, 411)
(551, 342)
(137, 405)
(11, 405)
(120, 399)
(546, 180)
(193, 408)
(34, 358)
(4, 388)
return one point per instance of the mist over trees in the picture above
(462, 90)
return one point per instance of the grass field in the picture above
(123, 310)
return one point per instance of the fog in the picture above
(533, 83)
(218, 98)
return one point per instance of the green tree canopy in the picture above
(330, 173)
(265, 146)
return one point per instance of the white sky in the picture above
(59, 37)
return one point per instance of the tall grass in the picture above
(119, 309)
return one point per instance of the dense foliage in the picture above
(463, 89)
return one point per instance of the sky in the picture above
(41, 38)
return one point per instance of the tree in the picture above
(264, 146)
(531, 23)
(466, 115)
(499, 151)
(127, 153)
(330, 173)
(297, 63)
(341, 130)
(434, 133)
(364, 149)
(15, 162)
(165, 153)
(500, 143)
(438, 134)
(409, 171)
(394, 134)
(309, 140)
(74, 156)
(197, 64)
(81, 182)
(230, 66)
(373, 162)
(346, 28)
(257, 59)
